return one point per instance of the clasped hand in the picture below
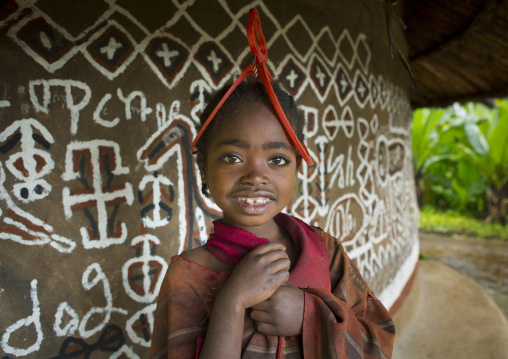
(259, 282)
(281, 314)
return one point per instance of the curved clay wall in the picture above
(98, 102)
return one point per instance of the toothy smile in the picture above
(254, 200)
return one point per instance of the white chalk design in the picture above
(26, 228)
(172, 140)
(65, 313)
(30, 164)
(125, 352)
(96, 194)
(148, 314)
(92, 276)
(72, 88)
(159, 194)
(145, 265)
(143, 110)
(33, 319)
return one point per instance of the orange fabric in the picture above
(345, 322)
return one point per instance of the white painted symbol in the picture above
(4, 103)
(341, 168)
(149, 290)
(306, 206)
(292, 77)
(62, 313)
(24, 228)
(361, 89)
(321, 76)
(70, 87)
(97, 194)
(171, 133)
(45, 40)
(148, 313)
(97, 113)
(343, 82)
(157, 183)
(215, 60)
(92, 276)
(30, 164)
(202, 88)
(166, 54)
(125, 352)
(111, 48)
(143, 109)
(346, 221)
(33, 319)
(200, 220)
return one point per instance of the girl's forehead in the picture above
(257, 116)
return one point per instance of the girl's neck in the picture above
(270, 230)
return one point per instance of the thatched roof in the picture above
(457, 50)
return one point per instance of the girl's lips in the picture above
(254, 205)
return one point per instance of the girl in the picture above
(266, 284)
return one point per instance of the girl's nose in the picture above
(256, 173)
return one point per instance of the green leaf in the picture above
(498, 141)
(476, 139)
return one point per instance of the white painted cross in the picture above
(215, 60)
(361, 89)
(98, 195)
(157, 183)
(111, 48)
(292, 77)
(321, 76)
(343, 82)
(166, 54)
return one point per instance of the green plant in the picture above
(444, 175)
(425, 146)
(491, 158)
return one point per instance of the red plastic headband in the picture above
(257, 44)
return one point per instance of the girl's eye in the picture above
(279, 161)
(230, 159)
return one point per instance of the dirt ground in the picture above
(485, 261)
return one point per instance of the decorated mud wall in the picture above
(98, 103)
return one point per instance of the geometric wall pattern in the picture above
(97, 186)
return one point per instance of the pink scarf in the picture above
(231, 244)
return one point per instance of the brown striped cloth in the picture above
(343, 321)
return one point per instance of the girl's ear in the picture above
(204, 183)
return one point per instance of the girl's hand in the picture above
(258, 275)
(281, 314)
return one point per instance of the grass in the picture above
(451, 222)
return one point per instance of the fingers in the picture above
(272, 252)
(260, 316)
(273, 257)
(263, 306)
(259, 274)
(267, 329)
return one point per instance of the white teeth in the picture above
(253, 200)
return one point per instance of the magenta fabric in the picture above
(231, 244)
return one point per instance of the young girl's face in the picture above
(250, 168)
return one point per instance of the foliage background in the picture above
(460, 159)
